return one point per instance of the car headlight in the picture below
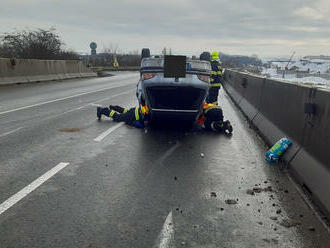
(146, 76)
(204, 78)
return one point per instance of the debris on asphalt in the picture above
(311, 228)
(278, 211)
(183, 243)
(221, 209)
(230, 201)
(286, 191)
(69, 130)
(202, 155)
(273, 218)
(106, 165)
(289, 223)
(250, 192)
(213, 194)
(175, 178)
(266, 240)
(258, 189)
(260, 223)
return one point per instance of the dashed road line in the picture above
(57, 100)
(10, 132)
(166, 236)
(106, 133)
(31, 187)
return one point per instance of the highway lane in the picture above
(137, 188)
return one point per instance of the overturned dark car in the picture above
(173, 87)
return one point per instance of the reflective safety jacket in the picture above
(206, 108)
(141, 113)
(216, 75)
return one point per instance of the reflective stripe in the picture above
(215, 73)
(125, 111)
(212, 126)
(210, 106)
(112, 113)
(144, 110)
(137, 116)
(211, 79)
(215, 85)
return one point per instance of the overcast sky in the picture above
(262, 27)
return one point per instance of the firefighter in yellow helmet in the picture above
(136, 116)
(216, 77)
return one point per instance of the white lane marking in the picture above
(87, 105)
(103, 99)
(110, 130)
(10, 132)
(31, 187)
(161, 160)
(56, 100)
(166, 236)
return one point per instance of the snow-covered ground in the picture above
(310, 71)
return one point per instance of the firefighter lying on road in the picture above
(211, 119)
(136, 116)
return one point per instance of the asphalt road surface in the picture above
(68, 180)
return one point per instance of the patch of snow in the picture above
(316, 67)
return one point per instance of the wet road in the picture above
(67, 180)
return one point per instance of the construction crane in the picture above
(286, 67)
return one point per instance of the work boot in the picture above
(227, 127)
(102, 111)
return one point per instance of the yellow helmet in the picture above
(214, 55)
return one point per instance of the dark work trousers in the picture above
(213, 95)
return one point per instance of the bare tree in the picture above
(38, 44)
(111, 48)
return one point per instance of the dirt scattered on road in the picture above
(290, 223)
(69, 130)
(231, 202)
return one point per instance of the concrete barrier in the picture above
(33, 70)
(302, 113)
